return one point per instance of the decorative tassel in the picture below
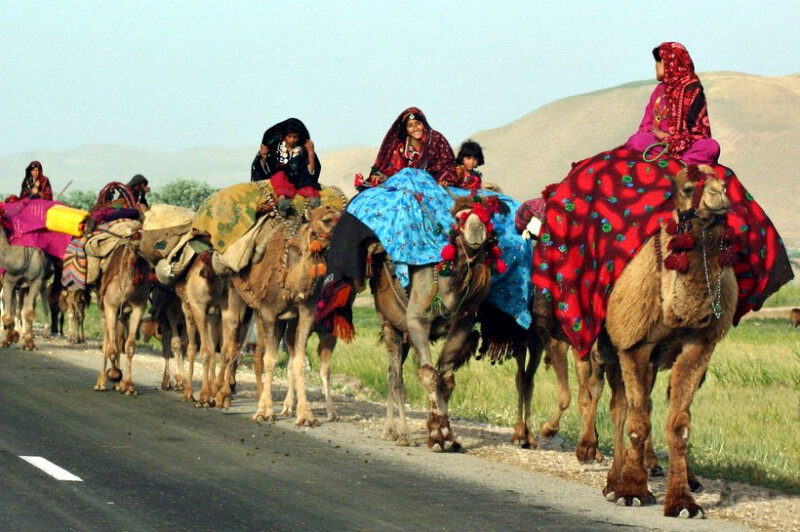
(682, 242)
(343, 329)
(678, 262)
(500, 266)
(672, 227)
(138, 278)
(449, 252)
(315, 246)
(321, 269)
(152, 277)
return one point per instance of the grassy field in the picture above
(746, 417)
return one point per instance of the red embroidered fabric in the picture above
(601, 214)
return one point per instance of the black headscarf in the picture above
(297, 167)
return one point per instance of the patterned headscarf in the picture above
(437, 155)
(681, 88)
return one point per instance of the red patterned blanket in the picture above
(601, 215)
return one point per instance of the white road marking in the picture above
(59, 473)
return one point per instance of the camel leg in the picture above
(126, 386)
(619, 411)
(522, 430)
(327, 343)
(459, 345)
(268, 336)
(687, 373)
(288, 331)
(110, 348)
(397, 352)
(8, 315)
(191, 352)
(637, 373)
(232, 317)
(207, 348)
(166, 352)
(258, 357)
(297, 364)
(28, 312)
(556, 357)
(650, 458)
(590, 387)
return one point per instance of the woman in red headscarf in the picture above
(676, 114)
(35, 185)
(412, 143)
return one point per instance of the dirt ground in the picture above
(743, 504)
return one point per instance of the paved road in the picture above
(153, 463)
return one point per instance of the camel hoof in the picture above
(656, 471)
(402, 441)
(187, 398)
(687, 514)
(389, 435)
(261, 416)
(610, 496)
(286, 411)
(303, 421)
(333, 417)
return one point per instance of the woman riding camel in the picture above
(288, 160)
(676, 114)
(35, 185)
(411, 143)
(609, 205)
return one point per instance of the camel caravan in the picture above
(639, 260)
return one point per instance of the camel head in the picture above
(699, 191)
(472, 222)
(321, 221)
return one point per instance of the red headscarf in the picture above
(685, 99)
(436, 157)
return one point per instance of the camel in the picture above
(435, 306)
(167, 323)
(283, 283)
(124, 287)
(24, 266)
(662, 318)
(214, 313)
(72, 305)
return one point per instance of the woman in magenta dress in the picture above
(676, 115)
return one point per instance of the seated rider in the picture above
(35, 185)
(470, 156)
(676, 114)
(411, 143)
(287, 158)
(138, 186)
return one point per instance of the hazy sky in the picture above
(180, 74)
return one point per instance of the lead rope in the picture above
(716, 301)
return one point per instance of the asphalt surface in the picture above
(152, 463)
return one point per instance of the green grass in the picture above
(787, 296)
(745, 417)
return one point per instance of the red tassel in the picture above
(672, 227)
(682, 242)
(449, 252)
(481, 212)
(727, 258)
(340, 298)
(678, 262)
(152, 277)
(500, 266)
(138, 278)
(343, 329)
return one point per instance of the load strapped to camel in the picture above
(114, 218)
(231, 220)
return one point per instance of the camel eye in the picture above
(688, 190)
